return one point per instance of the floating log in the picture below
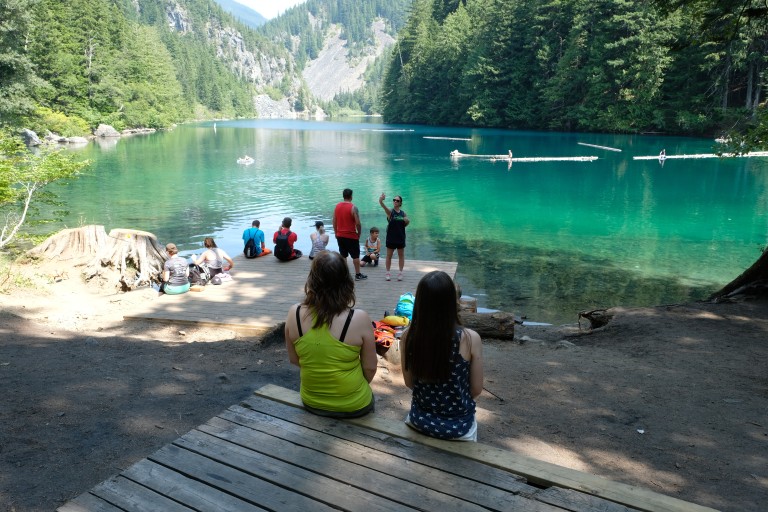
(704, 155)
(598, 147)
(445, 138)
(507, 158)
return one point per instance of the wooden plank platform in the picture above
(262, 290)
(268, 454)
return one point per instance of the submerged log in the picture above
(127, 258)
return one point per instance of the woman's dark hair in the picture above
(329, 289)
(209, 243)
(429, 339)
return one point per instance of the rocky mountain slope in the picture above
(334, 72)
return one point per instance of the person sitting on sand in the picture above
(175, 274)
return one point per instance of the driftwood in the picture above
(596, 317)
(498, 325)
(752, 281)
(126, 257)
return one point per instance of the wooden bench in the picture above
(268, 453)
(557, 479)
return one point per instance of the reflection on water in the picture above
(544, 239)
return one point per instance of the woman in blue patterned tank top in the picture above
(443, 363)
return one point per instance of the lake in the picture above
(541, 239)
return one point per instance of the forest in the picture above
(85, 62)
(693, 67)
(686, 67)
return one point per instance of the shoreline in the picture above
(92, 393)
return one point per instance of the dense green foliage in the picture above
(606, 65)
(22, 175)
(17, 77)
(123, 62)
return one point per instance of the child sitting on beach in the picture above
(372, 249)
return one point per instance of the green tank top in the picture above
(331, 373)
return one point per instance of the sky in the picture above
(269, 8)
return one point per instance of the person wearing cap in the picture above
(319, 239)
(175, 272)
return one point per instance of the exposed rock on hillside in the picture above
(250, 63)
(332, 72)
(267, 108)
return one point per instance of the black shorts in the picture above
(349, 247)
(395, 246)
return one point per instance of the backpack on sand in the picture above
(282, 249)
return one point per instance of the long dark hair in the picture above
(329, 289)
(429, 339)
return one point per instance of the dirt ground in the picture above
(671, 398)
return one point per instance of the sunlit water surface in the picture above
(545, 239)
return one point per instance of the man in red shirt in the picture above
(284, 239)
(346, 226)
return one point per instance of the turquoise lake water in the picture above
(545, 240)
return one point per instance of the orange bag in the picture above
(384, 336)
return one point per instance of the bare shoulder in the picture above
(472, 336)
(361, 318)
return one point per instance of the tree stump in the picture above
(75, 246)
(127, 258)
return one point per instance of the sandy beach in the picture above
(672, 398)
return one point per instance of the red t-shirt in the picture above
(345, 221)
(291, 238)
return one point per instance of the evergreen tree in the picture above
(17, 78)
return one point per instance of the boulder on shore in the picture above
(105, 130)
(30, 137)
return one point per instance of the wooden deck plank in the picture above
(539, 472)
(262, 290)
(87, 502)
(248, 486)
(194, 493)
(276, 419)
(373, 471)
(299, 481)
(578, 501)
(132, 497)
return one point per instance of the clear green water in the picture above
(544, 240)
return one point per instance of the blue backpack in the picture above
(405, 305)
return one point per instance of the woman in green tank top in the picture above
(332, 343)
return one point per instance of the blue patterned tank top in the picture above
(445, 410)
